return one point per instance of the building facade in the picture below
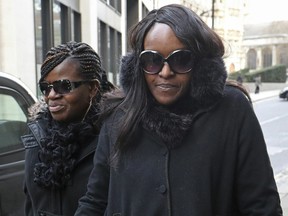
(31, 27)
(266, 44)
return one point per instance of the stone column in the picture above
(259, 60)
(274, 55)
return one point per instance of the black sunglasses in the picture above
(180, 61)
(60, 86)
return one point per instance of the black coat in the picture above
(219, 169)
(54, 201)
(219, 165)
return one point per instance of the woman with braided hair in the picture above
(64, 129)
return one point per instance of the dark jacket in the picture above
(56, 201)
(219, 167)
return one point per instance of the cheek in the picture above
(150, 79)
(78, 101)
(76, 107)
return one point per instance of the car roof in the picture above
(13, 82)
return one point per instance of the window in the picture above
(12, 120)
(110, 50)
(57, 15)
(116, 4)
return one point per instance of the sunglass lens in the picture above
(44, 87)
(151, 62)
(62, 86)
(181, 62)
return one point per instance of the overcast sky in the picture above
(262, 11)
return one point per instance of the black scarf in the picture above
(60, 148)
(170, 123)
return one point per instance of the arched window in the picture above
(251, 59)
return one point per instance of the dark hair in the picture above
(191, 31)
(89, 60)
(188, 27)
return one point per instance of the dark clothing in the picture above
(257, 89)
(221, 167)
(54, 201)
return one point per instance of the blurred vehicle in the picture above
(284, 93)
(15, 98)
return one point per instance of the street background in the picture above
(271, 91)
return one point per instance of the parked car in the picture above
(15, 98)
(284, 93)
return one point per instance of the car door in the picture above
(14, 103)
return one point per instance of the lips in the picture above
(166, 86)
(55, 107)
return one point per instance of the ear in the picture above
(94, 88)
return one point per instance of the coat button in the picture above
(162, 189)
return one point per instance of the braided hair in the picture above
(90, 62)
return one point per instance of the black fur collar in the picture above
(170, 124)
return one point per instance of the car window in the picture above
(13, 118)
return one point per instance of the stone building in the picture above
(227, 18)
(266, 44)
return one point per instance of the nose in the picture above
(166, 71)
(52, 93)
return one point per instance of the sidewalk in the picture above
(263, 95)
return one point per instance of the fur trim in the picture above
(208, 80)
(127, 71)
(37, 109)
(159, 120)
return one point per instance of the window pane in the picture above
(12, 123)
(57, 23)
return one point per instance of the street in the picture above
(273, 117)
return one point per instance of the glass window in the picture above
(57, 23)
(103, 45)
(12, 122)
(38, 31)
(110, 50)
(76, 27)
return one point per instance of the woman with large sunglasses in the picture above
(64, 129)
(181, 142)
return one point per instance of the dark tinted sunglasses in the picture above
(60, 86)
(180, 61)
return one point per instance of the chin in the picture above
(166, 102)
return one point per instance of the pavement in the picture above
(282, 177)
(264, 95)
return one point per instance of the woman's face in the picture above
(72, 106)
(166, 86)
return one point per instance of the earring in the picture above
(90, 104)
